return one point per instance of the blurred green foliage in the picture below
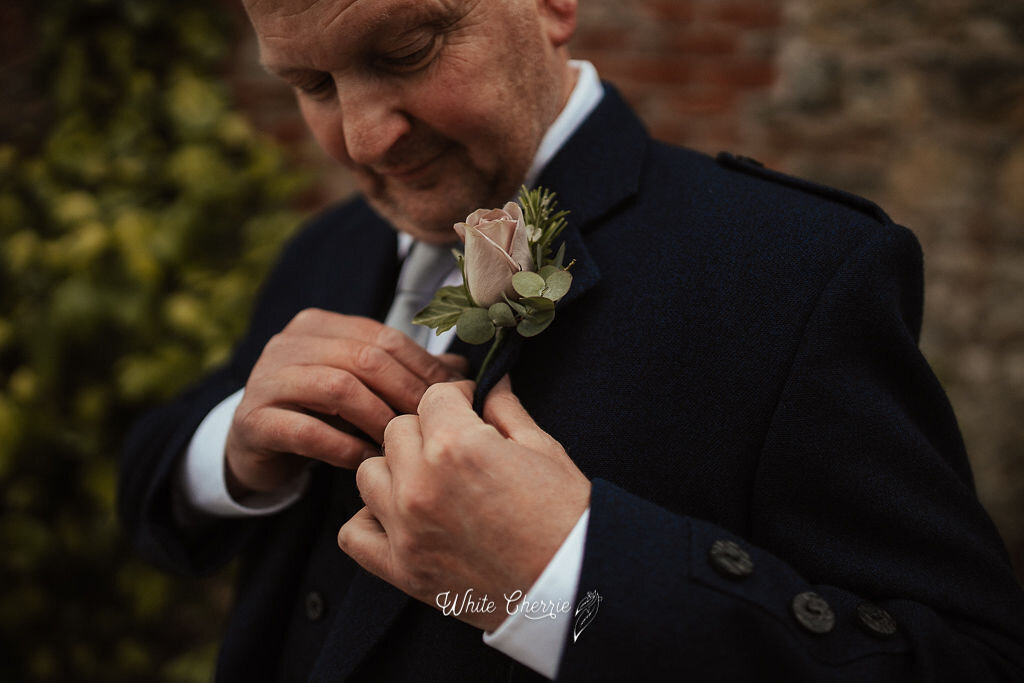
(132, 238)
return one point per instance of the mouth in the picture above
(408, 173)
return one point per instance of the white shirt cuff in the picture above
(201, 478)
(535, 633)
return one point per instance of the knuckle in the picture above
(276, 344)
(399, 422)
(444, 446)
(338, 387)
(371, 359)
(298, 433)
(389, 339)
(306, 317)
(345, 538)
(362, 472)
(433, 393)
(416, 501)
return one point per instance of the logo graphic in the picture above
(585, 613)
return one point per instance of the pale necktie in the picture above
(423, 272)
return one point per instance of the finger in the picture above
(331, 391)
(503, 410)
(416, 359)
(373, 480)
(456, 364)
(403, 443)
(364, 539)
(374, 366)
(448, 406)
(279, 430)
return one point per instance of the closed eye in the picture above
(409, 61)
(318, 89)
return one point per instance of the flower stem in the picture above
(499, 337)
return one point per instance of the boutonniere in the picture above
(511, 278)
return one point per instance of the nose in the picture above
(368, 121)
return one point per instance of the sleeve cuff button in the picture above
(876, 621)
(730, 560)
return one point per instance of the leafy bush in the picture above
(132, 237)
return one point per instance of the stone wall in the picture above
(917, 104)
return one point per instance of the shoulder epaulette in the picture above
(756, 168)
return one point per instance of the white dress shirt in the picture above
(533, 639)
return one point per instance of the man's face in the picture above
(437, 106)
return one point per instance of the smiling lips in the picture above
(409, 172)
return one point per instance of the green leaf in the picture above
(502, 315)
(528, 284)
(539, 304)
(455, 294)
(534, 325)
(517, 307)
(443, 312)
(558, 285)
(560, 256)
(439, 316)
(546, 271)
(474, 326)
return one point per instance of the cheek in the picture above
(327, 130)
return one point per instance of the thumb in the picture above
(503, 410)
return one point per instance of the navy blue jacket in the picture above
(737, 361)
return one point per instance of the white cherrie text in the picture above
(467, 603)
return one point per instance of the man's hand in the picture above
(461, 503)
(325, 367)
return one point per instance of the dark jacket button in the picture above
(730, 560)
(315, 606)
(813, 612)
(876, 621)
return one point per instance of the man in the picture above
(725, 458)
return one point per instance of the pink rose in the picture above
(496, 249)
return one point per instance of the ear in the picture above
(559, 19)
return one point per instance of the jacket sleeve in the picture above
(868, 555)
(158, 441)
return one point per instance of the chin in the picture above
(417, 220)
(428, 213)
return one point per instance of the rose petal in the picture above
(489, 269)
(520, 251)
(499, 230)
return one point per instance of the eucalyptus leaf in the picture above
(558, 285)
(517, 307)
(546, 271)
(528, 284)
(539, 304)
(501, 314)
(474, 326)
(534, 325)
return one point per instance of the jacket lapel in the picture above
(610, 146)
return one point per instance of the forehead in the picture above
(284, 26)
